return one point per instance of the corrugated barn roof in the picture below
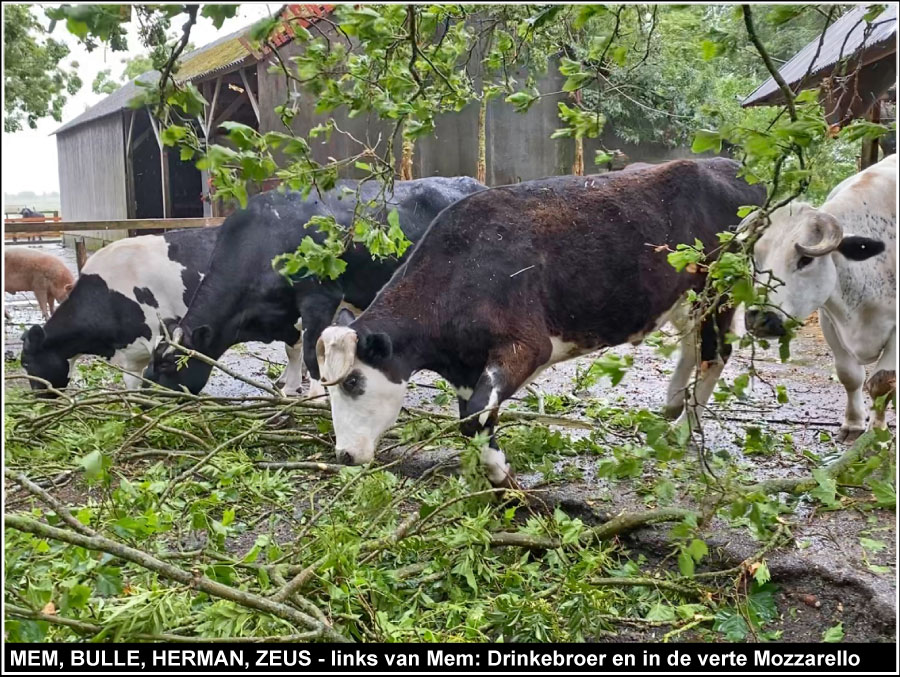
(845, 37)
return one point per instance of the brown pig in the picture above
(44, 274)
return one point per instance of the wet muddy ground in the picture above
(825, 577)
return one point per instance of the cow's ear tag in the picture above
(858, 248)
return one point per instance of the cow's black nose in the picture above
(764, 323)
(344, 457)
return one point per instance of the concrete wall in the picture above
(92, 176)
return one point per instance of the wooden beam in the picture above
(233, 106)
(121, 224)
(210, 114)
(163, 170)
(141, 138)
(250, 93)
(130, 133)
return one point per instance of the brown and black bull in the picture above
(511, 280)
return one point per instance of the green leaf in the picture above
(661, 612)
(731, 624)
(705, 139)
(698, 549)
(834, 634)
(872, 544)
(709, 50)
(686, 563)
(762, 575)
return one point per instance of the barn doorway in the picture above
(146, 186)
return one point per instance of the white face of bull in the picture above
(796, 249)
(364, 401)
(797, 253)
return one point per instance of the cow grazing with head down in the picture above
(511, 280)
(243, 299)
(841, 260)
(115, 309)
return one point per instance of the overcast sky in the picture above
(29, 156)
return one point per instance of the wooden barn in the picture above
(113, 166)
(854, 65)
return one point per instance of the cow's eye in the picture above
(354, 384)
(803, 262)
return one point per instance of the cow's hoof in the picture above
(672, 411)
(882, 382)
(848, 435)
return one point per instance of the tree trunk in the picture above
(481, 169)
(406, 160)
(578, 165)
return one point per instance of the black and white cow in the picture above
(115, 308)
(840, 259)
(511, 280)
(243, 299)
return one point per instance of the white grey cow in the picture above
(839, 259)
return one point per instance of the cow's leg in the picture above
(316, 312)
(883, 380)
(851, 374)
(293, 372)
(507, 370)
(678, 385)
(713, 353)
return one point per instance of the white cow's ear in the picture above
(858, 248)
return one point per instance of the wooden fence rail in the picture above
(38, 225)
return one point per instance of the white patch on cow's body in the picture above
(361, 420)
(463, 392)
(141, 262)
(494, 463)
(494, 399)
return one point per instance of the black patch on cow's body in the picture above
(857, 248)
(145, 296)
(242, 298)
(580, 259)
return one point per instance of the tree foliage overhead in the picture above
(36, 85)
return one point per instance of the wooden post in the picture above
(80, 254)
(869, 155)
(250, 94)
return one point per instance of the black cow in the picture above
(509, 281)
(114, 310)
(243, 299)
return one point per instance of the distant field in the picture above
(12, 204)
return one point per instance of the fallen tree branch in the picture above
(798, 485)
(85, 628)
(210, 587)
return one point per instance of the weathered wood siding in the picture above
(518, 145)
(92, 175)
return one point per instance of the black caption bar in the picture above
(312, 658)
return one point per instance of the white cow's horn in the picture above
(832, 234)
(335, 353)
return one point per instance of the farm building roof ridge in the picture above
(219, 56)
(844, 38)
